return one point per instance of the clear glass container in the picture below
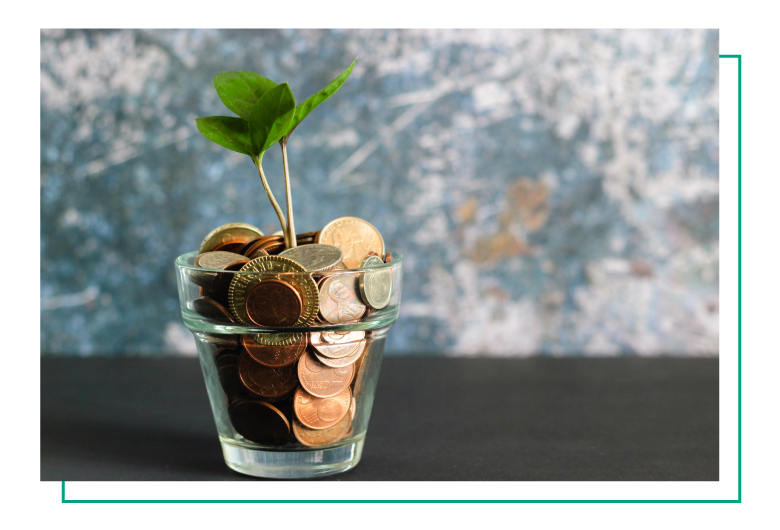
(260, 409)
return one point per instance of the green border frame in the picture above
(738, 57)
(739, 394)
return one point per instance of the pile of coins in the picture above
(284, 384)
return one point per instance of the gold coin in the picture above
(376, 286)
(227, 234)
(277, 339)
(355, 237)
(274, 267)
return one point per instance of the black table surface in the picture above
(434, 418)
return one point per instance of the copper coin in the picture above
(253, 248)
(388, 257)
(273, 303)
(320, 380)
(339, 301)
(248, 244)
(257, 253)
(347, 360)
(231, 246)
(227, 372)
(274, 355)
(319, 437)
(321, 413)
(355, 237)
(229, 237)
(265, 381)
(271, 249)
(212, 309)
(259, 422)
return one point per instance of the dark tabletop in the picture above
(434, 418)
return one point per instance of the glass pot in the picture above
(257, 377)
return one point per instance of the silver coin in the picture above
(341, 336)
(333, 351)
(376, 286)
(218, 260)
(341, 362)
(315, 257)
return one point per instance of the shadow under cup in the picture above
(261, 410)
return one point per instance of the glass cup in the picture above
(258, 378)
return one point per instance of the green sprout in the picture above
(267, 115)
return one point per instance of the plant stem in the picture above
(290, 220)
(259, 164)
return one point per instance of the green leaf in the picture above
(240, 91)
(226, 131)
(310, 103)
(271, 116)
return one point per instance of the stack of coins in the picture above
(282, 386)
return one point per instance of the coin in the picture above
(266, 381)
(274, 355)
(226, 361)
(321, 413)
(218, 260)
(277, 339)
(336, 337)
(315, 257)
(254, 250)
(212, 310)
(223, 279)
(270, 267)
(201, 278)
(339, 301)
(376, 286)
(273, 303)
(320, 380)
(388, 257)
(319, 437)
(229, 234)
(336, 350)
(347, 360)
(354, 237)
(248, 245)
(259, 422)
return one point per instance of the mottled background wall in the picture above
(555, 192)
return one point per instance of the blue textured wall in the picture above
(555, 192)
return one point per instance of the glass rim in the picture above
(181, 263)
